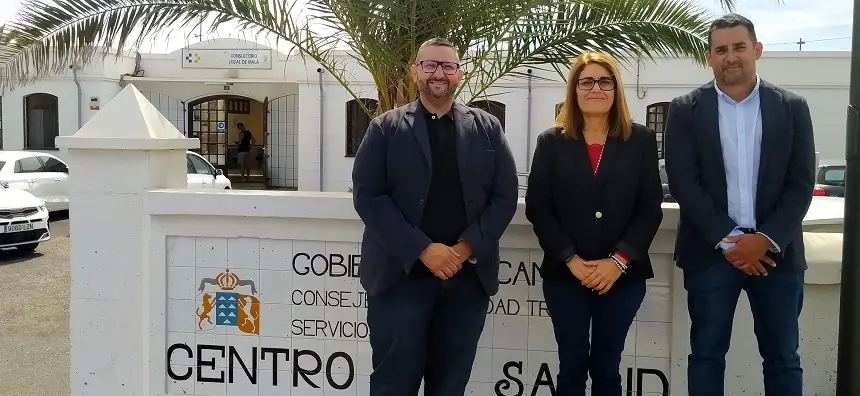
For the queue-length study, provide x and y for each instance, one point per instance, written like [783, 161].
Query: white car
[23, 220]
[46, 176]
[42, 174]
[202, 175]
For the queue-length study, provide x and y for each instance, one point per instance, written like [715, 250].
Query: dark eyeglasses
[430, 66]
[605, 83]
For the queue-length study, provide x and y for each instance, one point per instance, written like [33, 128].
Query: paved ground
[34, 317]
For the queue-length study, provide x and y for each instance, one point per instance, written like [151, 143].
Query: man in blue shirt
[740, 159]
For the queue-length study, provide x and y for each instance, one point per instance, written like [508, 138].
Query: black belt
[746, 230]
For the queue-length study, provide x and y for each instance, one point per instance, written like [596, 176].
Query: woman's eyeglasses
[449, 68]
[605, 83]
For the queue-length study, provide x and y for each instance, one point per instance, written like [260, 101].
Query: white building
[207, 88]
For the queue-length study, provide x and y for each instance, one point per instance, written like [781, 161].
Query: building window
[357, 121]
[558, 109]
[42, 121]
[657, 121]
[238, 106]
[491, 106]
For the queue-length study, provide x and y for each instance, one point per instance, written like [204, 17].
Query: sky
[824, 25]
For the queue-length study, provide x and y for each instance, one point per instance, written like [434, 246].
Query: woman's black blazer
[574, 212]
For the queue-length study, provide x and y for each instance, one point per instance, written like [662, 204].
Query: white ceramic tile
[653, 372]
[657, 306]
[512, 362]
[362, 385]
[211, 252]
[181, 316]
[474, 389]
[308, 322]
[275, 320]
[482, 366]
[341, 354]
[211, 388]
[243, 347]
[276, 254]
[541, 336]
[277, 287]
[630, 341]
[309, 265]
[340, 385]
[653, 339]
[181, 387]
[271, 383]
[179, 356]
[181, 283]
[627, 369]
[180, 251]
[243, 253]
[363, 358]
[342, 323]
[275, 353]
[486, 339]
[510, 332]
[541, 365]
[215, 350]
[240, 383]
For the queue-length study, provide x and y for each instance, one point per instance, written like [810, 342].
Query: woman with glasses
[594, 199]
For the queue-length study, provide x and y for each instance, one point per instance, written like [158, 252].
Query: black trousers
[425, 327]
[574, 309]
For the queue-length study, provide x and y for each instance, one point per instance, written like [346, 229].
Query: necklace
[599, 156]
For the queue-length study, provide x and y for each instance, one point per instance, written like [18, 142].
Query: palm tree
[495, 37]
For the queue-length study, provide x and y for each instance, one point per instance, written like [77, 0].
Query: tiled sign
[263, 317]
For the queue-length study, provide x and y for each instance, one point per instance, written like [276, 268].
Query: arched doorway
[214, 121]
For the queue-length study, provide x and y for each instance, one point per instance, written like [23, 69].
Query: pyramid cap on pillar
[128, 122]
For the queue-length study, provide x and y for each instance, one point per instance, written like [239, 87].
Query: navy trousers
[775, 301]
[574, 309]
[425, 327]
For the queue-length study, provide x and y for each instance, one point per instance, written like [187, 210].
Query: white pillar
[125, 150]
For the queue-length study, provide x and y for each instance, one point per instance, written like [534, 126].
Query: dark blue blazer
[391, 179]
[697, 177]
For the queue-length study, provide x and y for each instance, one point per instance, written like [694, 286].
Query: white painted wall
[662, 80]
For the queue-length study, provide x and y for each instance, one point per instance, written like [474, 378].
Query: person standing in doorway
[740, 159]
[435, 184]
[246, 139]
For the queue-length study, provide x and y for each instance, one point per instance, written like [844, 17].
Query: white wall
[662, 80]
[658, 81]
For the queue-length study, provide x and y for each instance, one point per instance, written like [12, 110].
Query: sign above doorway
[226, 58]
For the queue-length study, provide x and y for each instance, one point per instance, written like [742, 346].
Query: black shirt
[444, 218]
[245, 141]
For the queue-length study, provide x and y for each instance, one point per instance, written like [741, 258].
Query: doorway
[214, 121]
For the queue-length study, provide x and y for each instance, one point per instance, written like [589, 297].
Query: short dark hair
[437, 42]
[240, 125]
[729, 21]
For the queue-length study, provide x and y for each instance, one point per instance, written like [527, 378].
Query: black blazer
[697, 176]
[391, 179]
[574, 212]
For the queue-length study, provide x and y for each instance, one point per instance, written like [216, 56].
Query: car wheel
[30, 247]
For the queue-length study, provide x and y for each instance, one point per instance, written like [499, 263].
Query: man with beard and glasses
[740, 160]
[435, 184]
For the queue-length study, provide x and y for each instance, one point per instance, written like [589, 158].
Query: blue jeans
[775, 301]
[574, 309]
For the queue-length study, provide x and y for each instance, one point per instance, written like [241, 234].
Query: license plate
[17, 227]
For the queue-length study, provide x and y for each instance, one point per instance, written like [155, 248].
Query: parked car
[42, 174]
[830, 180]
[201, 174]
[46, 176]
[23, 220]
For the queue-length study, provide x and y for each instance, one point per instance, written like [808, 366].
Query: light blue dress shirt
[740, 137]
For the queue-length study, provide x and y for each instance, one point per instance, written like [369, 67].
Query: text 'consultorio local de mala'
[243, 59]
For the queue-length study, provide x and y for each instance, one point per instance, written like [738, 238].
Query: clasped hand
[749, 253]
[598, 275]
[443, 260]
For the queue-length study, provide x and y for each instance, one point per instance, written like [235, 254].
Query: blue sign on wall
[222, 126]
